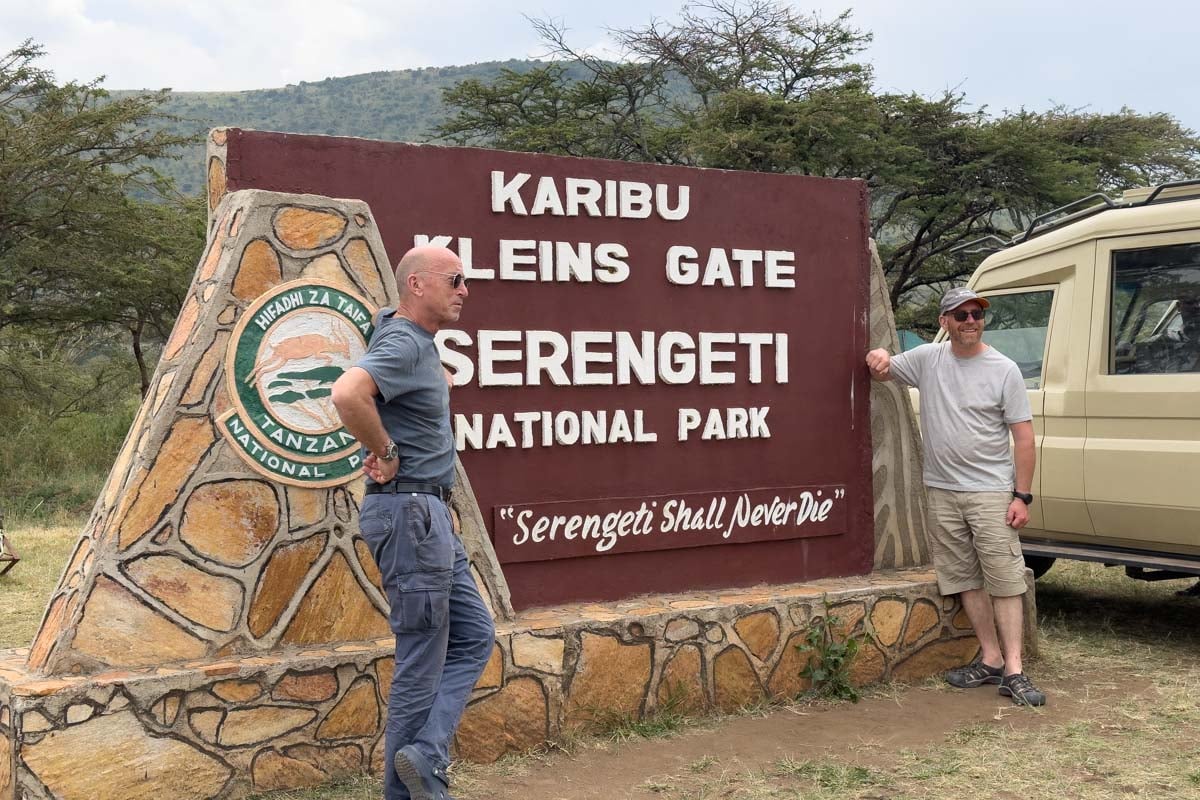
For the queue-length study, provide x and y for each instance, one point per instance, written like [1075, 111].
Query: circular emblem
[289, 347]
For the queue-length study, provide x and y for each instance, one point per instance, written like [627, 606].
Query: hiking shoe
[1021, 690]
[418, 775]
[977, 673]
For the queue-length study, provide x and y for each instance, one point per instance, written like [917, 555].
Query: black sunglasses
[976, 314]
[457, 279]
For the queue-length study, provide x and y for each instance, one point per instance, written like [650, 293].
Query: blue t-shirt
[413, 400]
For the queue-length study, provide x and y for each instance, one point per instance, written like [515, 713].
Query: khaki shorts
[973, 547]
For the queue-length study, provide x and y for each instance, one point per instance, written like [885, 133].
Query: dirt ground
[873, 733]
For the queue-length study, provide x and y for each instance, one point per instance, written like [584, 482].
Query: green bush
[828, 667]
[53, 469]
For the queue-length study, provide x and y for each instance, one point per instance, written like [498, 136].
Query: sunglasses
[976, 314]
[457, 279]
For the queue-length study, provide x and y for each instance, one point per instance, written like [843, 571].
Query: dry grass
[361, 788]
[26, 588]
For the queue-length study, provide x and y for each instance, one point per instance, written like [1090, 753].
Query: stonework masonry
[895, 448]
[190, 553]
[218, 728]
[216, 632]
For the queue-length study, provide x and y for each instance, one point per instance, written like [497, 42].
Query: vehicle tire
[1039, 564]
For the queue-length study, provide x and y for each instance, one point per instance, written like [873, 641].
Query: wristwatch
[1023, 497]
[390, 453]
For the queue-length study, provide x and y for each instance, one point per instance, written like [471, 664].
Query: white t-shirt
[967, 405]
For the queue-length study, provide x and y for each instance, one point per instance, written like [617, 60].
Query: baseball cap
[956, 297]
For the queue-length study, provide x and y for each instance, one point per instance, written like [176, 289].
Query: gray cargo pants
[444, 632]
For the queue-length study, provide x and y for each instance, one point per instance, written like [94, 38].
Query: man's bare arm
[354, 398]
[1024, 459]
[1024, 454]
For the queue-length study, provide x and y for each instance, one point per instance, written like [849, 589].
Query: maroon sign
[632, 331]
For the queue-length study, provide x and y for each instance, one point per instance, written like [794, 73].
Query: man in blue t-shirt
[396, 402]
[978, 486]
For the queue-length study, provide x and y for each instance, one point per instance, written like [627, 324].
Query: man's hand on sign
[879, 361]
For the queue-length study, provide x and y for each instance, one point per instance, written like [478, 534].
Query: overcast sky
[1099, 56]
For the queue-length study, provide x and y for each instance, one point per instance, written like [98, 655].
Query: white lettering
[689, 420]
[513, 261]
[611, 266]
[547, 198]
[462, 368]
[635, 200]
[581, 342]
[551, 363]
[489, 354]
[708, 357]
[507, 193]
[500, 434]
[583, 193]
[606, 358]
[625, 199]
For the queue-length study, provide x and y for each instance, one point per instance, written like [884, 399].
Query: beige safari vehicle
[1099, 305]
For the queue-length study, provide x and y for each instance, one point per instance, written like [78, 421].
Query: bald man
[396, 402]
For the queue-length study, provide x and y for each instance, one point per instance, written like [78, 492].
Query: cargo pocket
[1015, 546]
[421, 601]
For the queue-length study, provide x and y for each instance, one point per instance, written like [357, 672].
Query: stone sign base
[224, 728]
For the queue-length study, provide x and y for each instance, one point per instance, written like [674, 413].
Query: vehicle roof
[1173, 214]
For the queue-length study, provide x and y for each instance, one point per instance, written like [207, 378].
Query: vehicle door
[1018, 325]
[1142, 453]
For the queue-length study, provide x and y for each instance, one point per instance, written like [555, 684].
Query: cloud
[1026, 53]
[234, 44]
[223, 44]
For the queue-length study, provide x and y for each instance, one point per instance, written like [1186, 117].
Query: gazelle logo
[288, 348]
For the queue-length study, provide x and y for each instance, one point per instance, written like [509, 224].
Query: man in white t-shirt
[978, 487]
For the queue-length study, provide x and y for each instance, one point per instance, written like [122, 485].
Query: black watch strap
[1023, 497]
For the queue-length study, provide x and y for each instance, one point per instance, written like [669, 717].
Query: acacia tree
[757, 86]
[974, 175]
[90, 235]
[642, 107]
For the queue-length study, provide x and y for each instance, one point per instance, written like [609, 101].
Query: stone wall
[561, 671]
[221, 728]
[198, 730]
[190, 553]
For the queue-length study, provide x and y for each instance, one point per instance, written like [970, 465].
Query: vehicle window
[910, 339]
[1155, 314]
[1016, 326]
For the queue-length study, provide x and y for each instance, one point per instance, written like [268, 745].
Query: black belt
[398, 487]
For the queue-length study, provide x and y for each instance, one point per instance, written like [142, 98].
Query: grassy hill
[402, 105]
